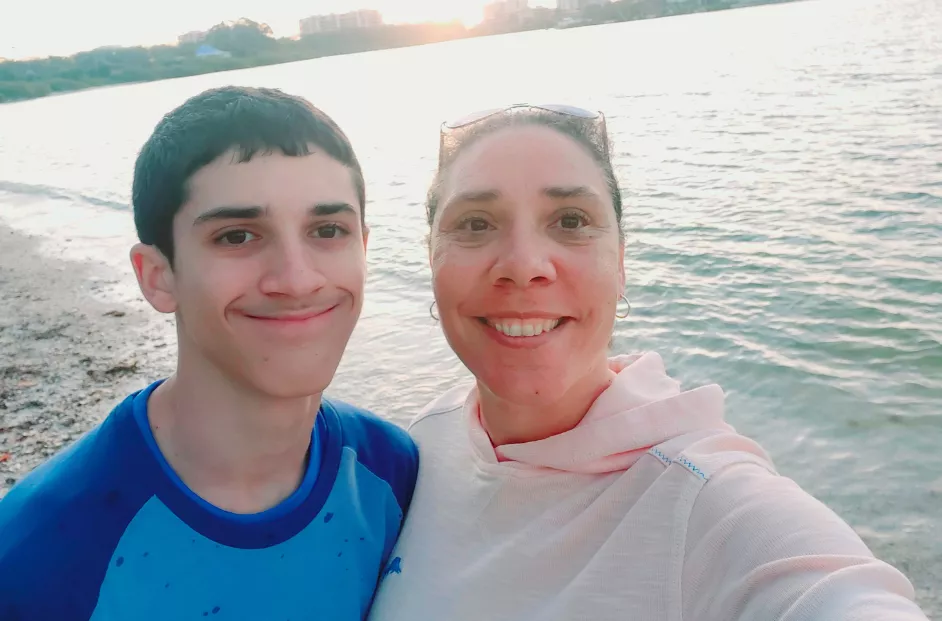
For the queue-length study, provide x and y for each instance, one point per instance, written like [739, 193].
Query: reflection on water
[782, 166]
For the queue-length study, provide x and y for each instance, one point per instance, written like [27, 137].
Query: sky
[32, 28]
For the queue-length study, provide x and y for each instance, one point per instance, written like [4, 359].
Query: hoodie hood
[642, 408]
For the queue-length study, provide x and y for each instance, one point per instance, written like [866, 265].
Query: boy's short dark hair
[246, 120]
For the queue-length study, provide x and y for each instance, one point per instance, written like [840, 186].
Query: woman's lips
[523, 333]
[526, 327]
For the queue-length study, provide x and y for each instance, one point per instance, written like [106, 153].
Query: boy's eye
[235, 238]
[329, 231]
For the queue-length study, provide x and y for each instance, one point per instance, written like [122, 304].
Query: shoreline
[66, 355]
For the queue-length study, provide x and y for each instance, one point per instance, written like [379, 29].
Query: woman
[568, 485]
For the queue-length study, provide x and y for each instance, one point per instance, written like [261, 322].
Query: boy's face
[269, 269]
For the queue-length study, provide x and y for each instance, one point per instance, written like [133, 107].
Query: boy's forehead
[272, 181]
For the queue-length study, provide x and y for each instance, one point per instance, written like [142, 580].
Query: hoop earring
[431, 310]
[624, 314]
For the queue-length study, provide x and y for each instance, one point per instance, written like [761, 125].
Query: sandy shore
[66, 356]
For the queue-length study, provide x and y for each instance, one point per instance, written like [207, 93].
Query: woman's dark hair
[590, 133]
[246, 120]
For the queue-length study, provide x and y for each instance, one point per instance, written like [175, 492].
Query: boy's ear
[154, 276]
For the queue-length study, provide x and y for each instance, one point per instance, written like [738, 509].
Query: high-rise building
[503, 10]
[194, 36]
[366, 18]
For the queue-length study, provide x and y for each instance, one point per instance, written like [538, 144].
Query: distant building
[506, 10]
[366, 18]
[577, 6]
[194, 36]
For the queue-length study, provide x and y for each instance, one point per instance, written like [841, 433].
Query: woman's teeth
[523, 327]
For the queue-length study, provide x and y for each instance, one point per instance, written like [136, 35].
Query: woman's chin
[524, 387]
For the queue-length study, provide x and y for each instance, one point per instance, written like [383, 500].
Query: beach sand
[66, 355]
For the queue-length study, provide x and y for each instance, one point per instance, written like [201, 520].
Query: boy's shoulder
[90, 466]
[61, 522]
[382, 447]
[363, 429]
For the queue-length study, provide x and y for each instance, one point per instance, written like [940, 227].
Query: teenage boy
[232, 489]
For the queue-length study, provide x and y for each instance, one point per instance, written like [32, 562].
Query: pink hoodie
[606, 440]
[651, 508]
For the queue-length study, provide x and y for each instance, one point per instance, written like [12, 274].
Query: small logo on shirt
[393, 567]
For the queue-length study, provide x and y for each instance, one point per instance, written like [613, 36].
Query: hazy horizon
[34, 30]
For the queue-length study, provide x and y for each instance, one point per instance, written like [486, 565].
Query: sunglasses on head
[590, 116]
[563, 109]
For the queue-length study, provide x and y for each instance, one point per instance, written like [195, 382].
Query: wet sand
[66, 356]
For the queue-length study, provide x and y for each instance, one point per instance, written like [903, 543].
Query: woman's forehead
[531, 155]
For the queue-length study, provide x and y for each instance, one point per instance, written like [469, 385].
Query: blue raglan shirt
[106, 531]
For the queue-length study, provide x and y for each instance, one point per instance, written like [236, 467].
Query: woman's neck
[508, 422]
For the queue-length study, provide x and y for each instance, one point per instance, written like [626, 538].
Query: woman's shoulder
[450, 402]
[740, 489]
[756, 541]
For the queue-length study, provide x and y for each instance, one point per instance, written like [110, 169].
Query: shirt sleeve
[759, 547]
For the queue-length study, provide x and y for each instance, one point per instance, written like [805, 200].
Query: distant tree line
[246, 43]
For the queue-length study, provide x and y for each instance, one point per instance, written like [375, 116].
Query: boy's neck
[239, 450]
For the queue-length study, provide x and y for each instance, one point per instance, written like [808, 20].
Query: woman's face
[527, 263]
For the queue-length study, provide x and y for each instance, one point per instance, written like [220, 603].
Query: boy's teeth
[519, 327]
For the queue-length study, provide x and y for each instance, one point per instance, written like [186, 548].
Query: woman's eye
[475, 225]
[235, 238]
[570, 222]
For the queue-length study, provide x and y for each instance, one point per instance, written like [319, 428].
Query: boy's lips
[297, 316]
[294, 323]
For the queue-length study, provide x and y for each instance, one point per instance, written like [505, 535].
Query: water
[783, 167]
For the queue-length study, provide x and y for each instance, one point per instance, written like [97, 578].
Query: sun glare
[469, 12]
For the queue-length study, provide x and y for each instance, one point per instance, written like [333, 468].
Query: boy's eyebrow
[254, 212]
[229, 213]
[327, 209]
